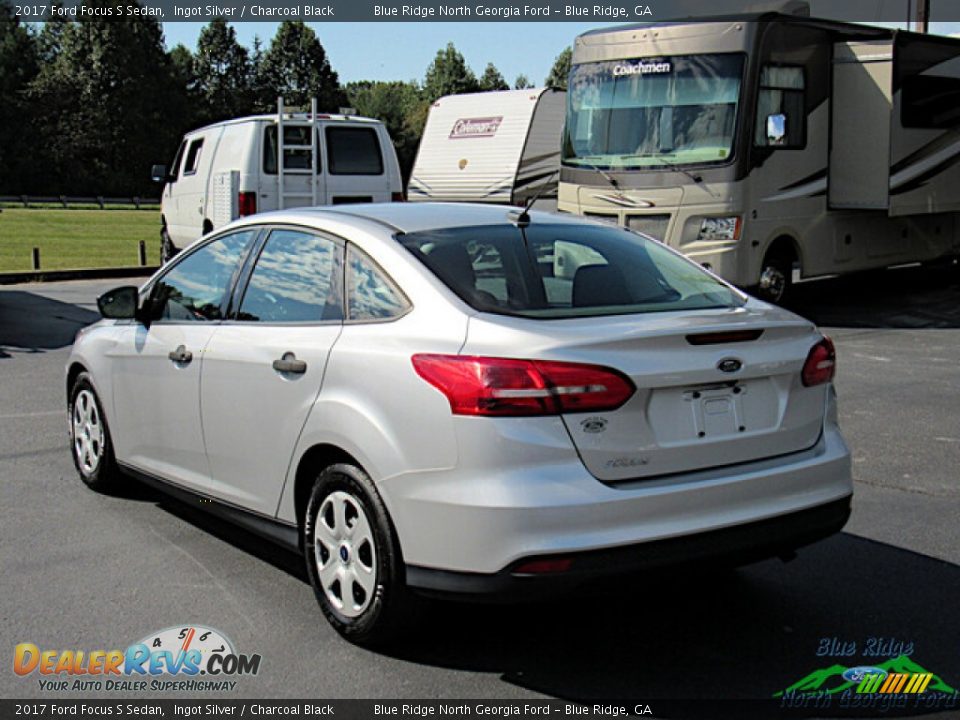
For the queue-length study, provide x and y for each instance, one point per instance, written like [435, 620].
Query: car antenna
[522, 219]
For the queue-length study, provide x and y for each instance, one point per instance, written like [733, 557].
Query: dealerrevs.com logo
[187, 657]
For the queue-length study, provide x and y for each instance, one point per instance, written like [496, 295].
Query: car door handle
[181, 355]
[289, 364]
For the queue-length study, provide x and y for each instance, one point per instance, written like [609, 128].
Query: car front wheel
[353, 558]
[90, 442]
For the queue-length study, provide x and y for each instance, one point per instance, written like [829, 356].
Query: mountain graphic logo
[830, 680]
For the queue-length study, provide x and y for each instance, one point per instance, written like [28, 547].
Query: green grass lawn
[77, 238]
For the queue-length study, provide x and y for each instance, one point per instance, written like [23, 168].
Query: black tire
[168, 250]
[776, 279]
[90, 444]
[375, 617]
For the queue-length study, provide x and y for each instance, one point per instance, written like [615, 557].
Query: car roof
[407, 217]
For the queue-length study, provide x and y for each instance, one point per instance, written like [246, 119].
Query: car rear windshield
[554, 271]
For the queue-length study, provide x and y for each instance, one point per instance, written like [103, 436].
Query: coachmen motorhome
[232, 169]
[493, 147]
[769, 147]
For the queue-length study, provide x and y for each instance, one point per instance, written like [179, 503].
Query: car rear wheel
[353, 558]
[90, 443]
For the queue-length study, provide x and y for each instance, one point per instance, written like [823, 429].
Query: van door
[186, 223]
[357, 169]
[298, 172]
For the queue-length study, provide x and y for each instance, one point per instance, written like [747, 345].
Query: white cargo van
[492, 147]
[232, 169]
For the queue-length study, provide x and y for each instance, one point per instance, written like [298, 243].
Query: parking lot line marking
[41, 413]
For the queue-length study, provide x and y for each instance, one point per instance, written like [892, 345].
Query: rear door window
[297, 152]
[565, 270]
[354, 151]
[297, 278]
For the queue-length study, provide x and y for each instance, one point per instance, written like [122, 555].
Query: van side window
[354, 151]
[175, 166]
[782, 93]
[297, 153]
[196, 286]
[193, 157]
[371, 295]
[298, 278]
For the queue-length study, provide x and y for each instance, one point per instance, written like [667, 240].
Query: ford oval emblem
[856, 674]
[729, 365]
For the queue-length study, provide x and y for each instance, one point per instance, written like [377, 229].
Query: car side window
[193, 157]
[297, 278]
[371, 295]
[195, 288]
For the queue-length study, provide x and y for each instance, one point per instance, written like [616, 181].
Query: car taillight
[247, 203]
[821, 364]
[398, 197]
[510, 387]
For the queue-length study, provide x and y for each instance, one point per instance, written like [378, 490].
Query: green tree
[448, 74]
[106, 107]
[560, 70]
[18, 66]
[398, 105]
[492, 79]
[295, 66]
[522, 82]
[222, 69]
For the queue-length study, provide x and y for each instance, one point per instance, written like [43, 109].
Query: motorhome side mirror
[158, 173]
[119, 303]
[776, 129]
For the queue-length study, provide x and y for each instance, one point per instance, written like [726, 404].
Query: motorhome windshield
[652, 112]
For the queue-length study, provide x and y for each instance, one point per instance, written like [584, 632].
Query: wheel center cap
[344, 553]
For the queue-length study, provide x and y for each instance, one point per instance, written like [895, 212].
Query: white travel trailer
[491, 147]
[231, 169]
[769, 147]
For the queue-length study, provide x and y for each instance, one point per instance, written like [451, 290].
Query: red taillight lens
[247, 203]
[544, 566]
[397, 197]
[821, 364]
[508, 387]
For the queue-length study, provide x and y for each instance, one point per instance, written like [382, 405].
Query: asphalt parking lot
[81, 570]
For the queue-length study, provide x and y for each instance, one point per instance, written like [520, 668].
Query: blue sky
[402, 51]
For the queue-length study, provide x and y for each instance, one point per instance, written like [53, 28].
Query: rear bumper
[738, 544]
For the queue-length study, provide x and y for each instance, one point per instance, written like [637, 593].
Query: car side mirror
[120, 303]
[776, 129]
[158, 173]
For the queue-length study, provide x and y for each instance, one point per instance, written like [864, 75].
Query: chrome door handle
[181, 355]
[289, 364]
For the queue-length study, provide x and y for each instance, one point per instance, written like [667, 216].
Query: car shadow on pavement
[31, 323]
[909, 297]
[690, 637]
[744, 634]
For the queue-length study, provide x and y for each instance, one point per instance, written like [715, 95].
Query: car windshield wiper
[601, 172]
[665, 159]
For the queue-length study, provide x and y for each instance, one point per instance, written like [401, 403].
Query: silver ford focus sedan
[437, 399]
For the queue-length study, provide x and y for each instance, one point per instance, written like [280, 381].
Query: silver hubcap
[345, 554]
[87, 432]
[773, 282]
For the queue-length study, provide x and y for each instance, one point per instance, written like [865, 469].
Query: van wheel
[90, 443]
[776, 278]
[353, 558]
[167, 249]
